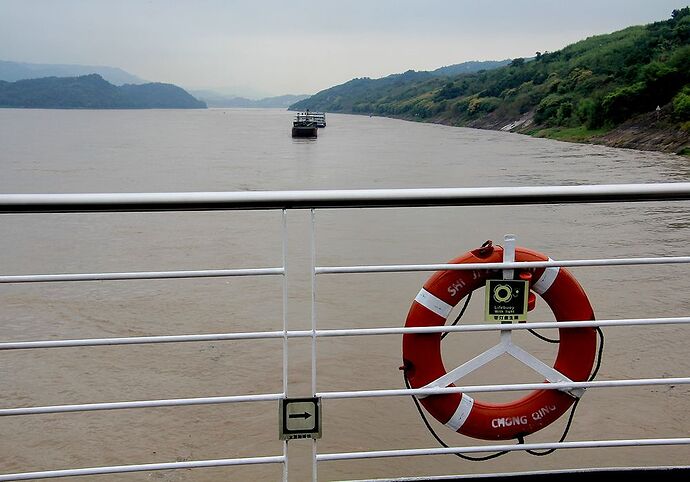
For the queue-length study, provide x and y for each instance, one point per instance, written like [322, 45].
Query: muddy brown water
[234, 150]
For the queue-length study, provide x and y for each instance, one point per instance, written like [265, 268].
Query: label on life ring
[506, 300]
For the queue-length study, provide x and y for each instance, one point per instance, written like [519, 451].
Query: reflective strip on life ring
[545, 280]
[430, 302]
[497, 421]
[461, 413]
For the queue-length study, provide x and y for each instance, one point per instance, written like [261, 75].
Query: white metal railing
[122, 469]
[210, 273]
[354, 198]
[501, 448]
[312, 200]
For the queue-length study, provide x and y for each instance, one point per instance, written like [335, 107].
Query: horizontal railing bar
[356, 198]
[142, 340]
[37, 278]
[514, 387]
[259, 335]
[211, 273]
[174, 402]
[501, 448]
[491, 327]
[6, 412]
[584, 473]
[399, 268]
[121, 469]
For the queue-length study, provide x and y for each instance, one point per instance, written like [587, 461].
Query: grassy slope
[587, 91]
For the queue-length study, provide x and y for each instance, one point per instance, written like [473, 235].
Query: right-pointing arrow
[304, 415]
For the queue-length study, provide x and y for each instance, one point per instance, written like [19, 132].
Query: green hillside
[589, 88]
[93, 92]
[358, 94]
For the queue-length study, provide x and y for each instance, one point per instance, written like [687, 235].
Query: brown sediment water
[236, 150]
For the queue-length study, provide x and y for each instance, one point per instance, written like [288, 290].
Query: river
[45, 151]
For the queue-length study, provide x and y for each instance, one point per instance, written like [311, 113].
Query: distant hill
[343, 97]
[471, 67]
[13, 71]
[93, 92]
[630, 88]
[214, 99]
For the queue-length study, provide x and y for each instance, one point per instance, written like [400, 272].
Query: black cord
[520, 438]
[600, 352]
[542, 337]
[462, 312]
[423, 416]
[438, 439]
[565, 433]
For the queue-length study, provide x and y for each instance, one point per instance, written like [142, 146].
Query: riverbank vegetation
[638, 77]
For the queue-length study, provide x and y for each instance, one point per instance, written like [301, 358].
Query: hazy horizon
[271, 48]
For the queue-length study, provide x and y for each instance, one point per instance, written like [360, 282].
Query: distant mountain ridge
[470, 67]
[214, 99]
[342, 98]
[93, 92]
[13, 71]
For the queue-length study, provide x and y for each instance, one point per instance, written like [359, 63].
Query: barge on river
[319, 118]
[304, 125]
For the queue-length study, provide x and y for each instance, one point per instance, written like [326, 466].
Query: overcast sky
[272, 47]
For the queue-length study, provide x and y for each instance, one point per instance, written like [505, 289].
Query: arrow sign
[304, 415]
[300, 418]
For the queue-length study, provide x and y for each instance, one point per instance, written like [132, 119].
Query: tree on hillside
[680, 13]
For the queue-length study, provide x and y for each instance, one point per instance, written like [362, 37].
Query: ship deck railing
[286, 201]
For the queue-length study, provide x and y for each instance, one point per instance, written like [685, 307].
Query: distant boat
[304, 125]
[319, 118]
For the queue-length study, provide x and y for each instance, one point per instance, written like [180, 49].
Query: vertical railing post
[285, 331]
[313, 331]
[509, 254]
[509, 241]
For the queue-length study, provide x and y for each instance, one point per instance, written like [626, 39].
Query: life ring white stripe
[432, 303]
[461, 413]
[546, 279]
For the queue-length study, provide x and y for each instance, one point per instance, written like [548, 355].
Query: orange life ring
[498, 421]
